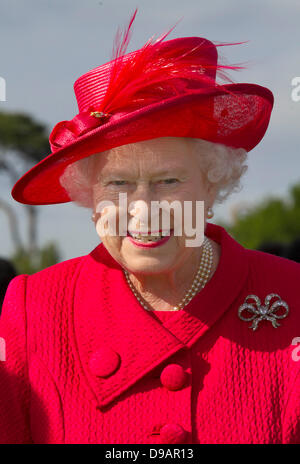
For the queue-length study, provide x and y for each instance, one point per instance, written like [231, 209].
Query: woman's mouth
[147, 240]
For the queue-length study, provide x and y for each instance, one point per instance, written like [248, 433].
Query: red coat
[85, 363]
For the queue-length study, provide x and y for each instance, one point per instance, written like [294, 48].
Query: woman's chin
[147, 263]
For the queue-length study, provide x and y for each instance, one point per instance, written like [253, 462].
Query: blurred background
[48, 44]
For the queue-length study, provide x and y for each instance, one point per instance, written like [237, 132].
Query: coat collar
[107, 314]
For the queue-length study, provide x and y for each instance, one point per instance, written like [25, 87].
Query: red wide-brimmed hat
[164, 89]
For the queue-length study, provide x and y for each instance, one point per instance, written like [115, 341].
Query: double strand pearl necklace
[199, 281]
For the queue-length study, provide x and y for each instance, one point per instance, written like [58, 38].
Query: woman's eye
[118, 182]
[169, 181]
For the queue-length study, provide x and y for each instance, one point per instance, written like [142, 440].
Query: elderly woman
[147, 340]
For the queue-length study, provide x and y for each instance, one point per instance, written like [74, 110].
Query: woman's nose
[142, 192]
[139, 204]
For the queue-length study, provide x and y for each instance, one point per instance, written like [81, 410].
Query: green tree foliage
[273, 220]
[27, 262]
[24, 142]
[20, 133]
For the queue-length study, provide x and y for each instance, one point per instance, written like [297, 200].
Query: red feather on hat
[147, 75]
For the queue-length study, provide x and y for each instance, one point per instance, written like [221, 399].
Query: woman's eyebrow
[128, 174]
[114, 174]
[175, 171]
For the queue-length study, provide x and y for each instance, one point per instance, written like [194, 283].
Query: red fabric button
[172, 433]
[104, 362]
[173, 377]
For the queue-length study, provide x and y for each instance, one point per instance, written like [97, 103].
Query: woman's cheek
[112, 222]
[102, 193]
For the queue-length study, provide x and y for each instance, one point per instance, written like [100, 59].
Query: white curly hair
[223, 166]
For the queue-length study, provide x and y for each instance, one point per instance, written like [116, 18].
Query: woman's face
[153, 170]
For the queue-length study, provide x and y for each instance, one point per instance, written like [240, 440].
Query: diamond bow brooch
[266, 311]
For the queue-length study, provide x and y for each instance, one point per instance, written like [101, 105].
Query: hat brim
[239, 123]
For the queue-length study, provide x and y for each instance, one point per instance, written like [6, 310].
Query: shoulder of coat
[269, 260]
[273, 271]
[59, 271]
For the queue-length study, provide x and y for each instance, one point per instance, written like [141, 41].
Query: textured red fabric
[243, 386]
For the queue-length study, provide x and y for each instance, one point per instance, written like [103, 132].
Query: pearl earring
[93, 217]
[210, 213]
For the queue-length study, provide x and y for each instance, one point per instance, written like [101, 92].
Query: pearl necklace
[199, 281]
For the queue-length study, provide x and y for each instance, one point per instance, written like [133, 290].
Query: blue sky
[48, 44]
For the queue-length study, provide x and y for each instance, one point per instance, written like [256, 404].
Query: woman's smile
[147, 240]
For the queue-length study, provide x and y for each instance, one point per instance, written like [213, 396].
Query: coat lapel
[107, 315]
